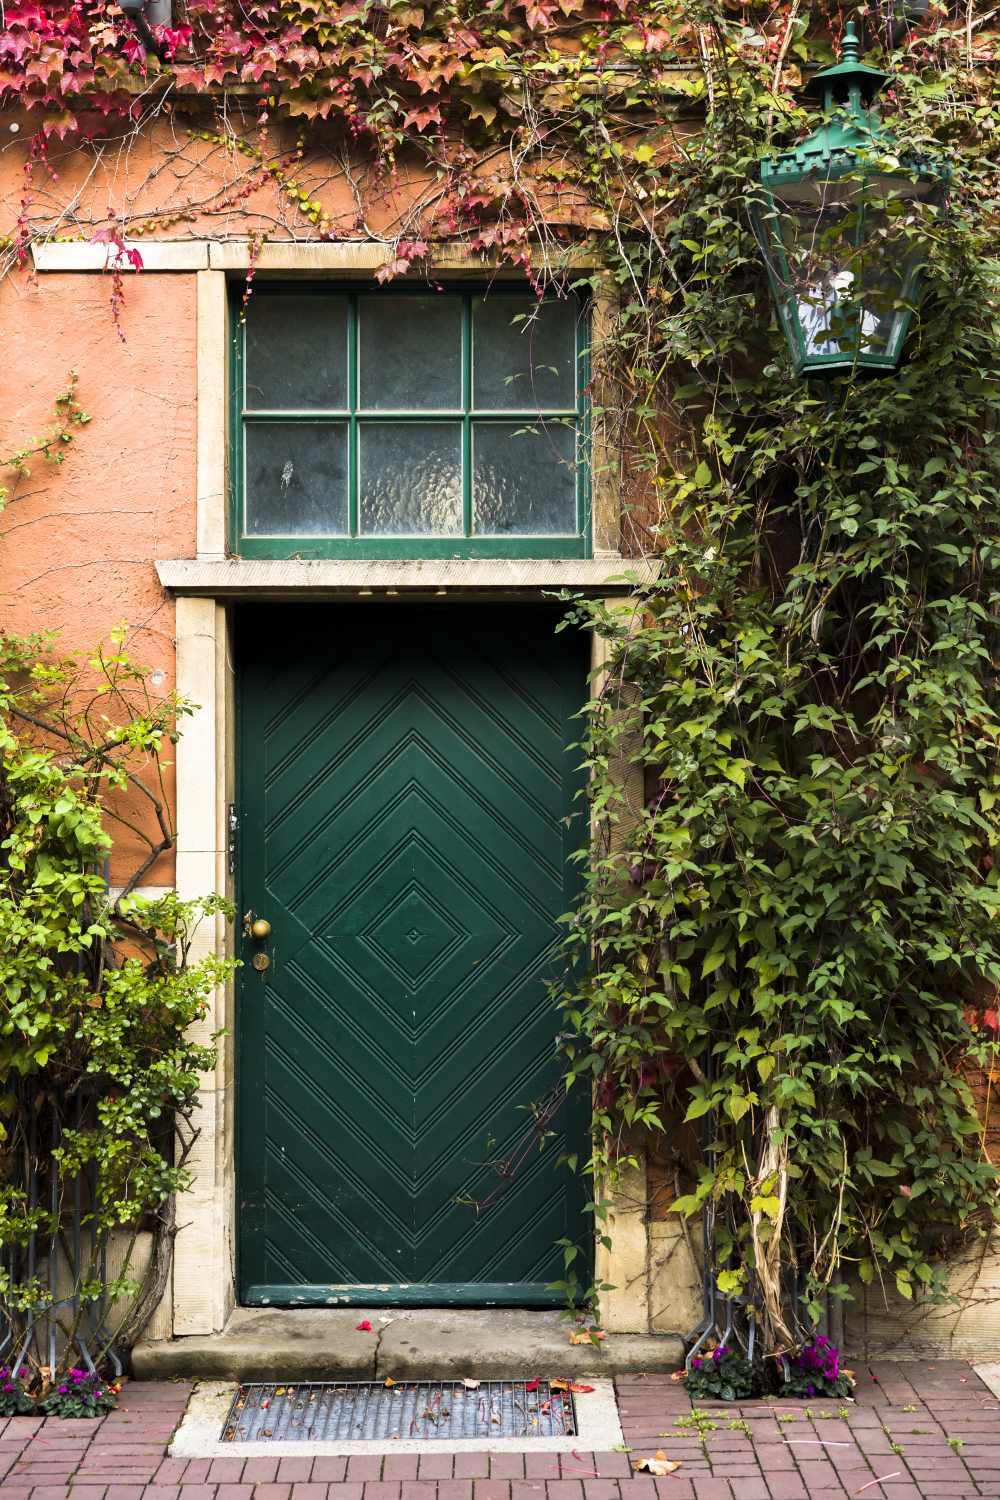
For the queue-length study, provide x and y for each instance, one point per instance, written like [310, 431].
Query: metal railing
[54, 1294]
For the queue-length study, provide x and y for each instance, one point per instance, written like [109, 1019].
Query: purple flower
[64, 1390]
[8, 1385]
[696, 1364]
[819, 1357]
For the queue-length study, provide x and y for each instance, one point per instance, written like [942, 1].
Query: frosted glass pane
[296, 479]
[524, 365]
[296, 353]
[411, 353]
[411, 478]
[524, 479]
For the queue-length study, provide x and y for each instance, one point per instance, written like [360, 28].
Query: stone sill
[255, 578]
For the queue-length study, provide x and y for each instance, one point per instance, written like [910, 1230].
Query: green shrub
[723, 1375]
[98, 996]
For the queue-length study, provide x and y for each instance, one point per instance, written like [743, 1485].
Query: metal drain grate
[410, 1409]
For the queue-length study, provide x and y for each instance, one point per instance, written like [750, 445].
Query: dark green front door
[405, 820]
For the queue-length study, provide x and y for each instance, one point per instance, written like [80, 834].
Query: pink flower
[364, 1326]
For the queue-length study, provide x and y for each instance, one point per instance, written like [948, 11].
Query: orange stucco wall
[189, 174]
[77, 543]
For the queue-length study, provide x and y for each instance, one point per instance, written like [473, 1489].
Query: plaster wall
[184, 175]
[77, 542]
[195, 171]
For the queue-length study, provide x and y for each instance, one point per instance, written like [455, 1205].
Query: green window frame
[574, 544]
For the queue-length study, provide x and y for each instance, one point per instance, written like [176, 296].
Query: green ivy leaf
[713, 962]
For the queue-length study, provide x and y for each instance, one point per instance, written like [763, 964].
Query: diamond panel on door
[407, 812]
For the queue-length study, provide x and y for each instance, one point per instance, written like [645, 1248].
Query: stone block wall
[651, 1263]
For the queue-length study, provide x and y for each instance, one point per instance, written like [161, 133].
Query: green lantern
[838, 218]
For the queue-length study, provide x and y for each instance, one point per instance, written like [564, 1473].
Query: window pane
[524, 354]
[296, 353]
[524, 479]
[296, 478]
[411, 353]
[411, 478]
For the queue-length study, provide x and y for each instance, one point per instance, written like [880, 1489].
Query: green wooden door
[406, 815]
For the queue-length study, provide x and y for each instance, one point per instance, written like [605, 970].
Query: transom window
[410, 423]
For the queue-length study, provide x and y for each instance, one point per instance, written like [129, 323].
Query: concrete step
[283, 1344]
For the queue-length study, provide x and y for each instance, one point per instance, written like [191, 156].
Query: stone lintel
[294, 257]
[156, 255]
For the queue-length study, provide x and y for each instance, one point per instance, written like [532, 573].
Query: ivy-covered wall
[790, 931]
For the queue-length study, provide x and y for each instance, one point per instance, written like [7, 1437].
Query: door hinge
[233, 823]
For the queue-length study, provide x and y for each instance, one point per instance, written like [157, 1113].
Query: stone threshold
[287, 1344]
[198, 1436]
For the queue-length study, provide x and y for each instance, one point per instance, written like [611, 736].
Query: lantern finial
[850, 47]
[849, 82]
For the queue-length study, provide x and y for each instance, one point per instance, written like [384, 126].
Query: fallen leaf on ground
[587, 1337]
[568, 1385]
[661, 1464]
[678, 1375]
[364, 1326]
[472, 1385]
[389, 1380]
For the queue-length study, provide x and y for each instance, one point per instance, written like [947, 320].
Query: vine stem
[779, 66]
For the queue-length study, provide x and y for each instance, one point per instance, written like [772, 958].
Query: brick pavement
[924, 1432]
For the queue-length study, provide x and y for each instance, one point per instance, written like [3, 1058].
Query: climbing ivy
[792, 928]
[50, 446]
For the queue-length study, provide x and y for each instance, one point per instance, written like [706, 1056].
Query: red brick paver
[916, 1432]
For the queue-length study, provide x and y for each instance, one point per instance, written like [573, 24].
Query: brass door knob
[261, 928]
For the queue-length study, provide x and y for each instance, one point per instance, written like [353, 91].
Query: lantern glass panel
[843, 256]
